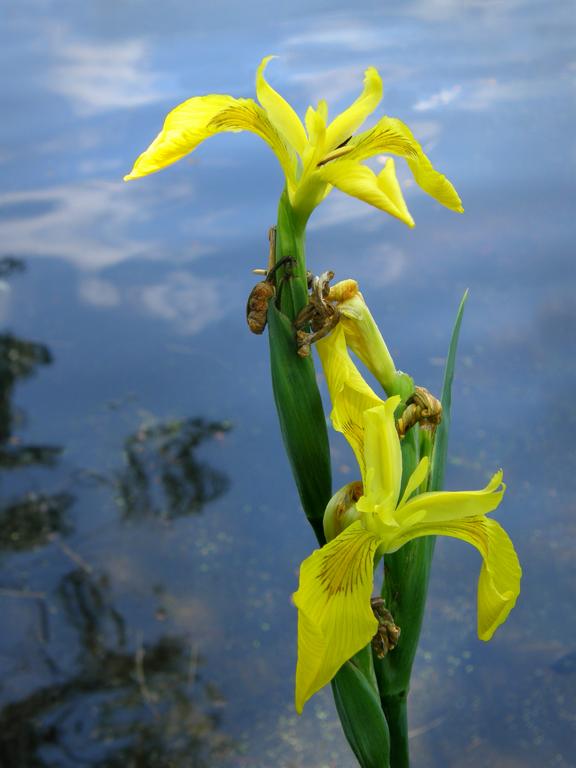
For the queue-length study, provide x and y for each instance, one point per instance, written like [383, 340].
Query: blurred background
[150, 533]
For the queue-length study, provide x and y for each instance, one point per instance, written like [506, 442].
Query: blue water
[150, 534]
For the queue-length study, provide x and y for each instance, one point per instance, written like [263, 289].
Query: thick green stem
[405, 587]
[298, 401]
[290, 241]
[303, 425]
[397, 718]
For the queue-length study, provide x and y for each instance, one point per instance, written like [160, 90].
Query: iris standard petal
[392, 136]
[348, 122]
[415, 480]
[350, 394]
[315, 120]
[448, 506]
[499, 581]
[357, 180]
[383, 457]
[280, 113]
[312, 189]
[335, 619]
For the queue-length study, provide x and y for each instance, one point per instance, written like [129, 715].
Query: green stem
[405, 587]
[396, 715]
[298, 401]
[290, 241]
[303, 425]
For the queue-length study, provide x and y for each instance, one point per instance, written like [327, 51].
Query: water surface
[150, 533]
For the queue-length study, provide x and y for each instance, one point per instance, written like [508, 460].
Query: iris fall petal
[335, 619]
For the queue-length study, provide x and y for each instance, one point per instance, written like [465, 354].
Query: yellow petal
[197, 119]
[344, 290]
[447, 506]
[392, 136]
[246, 115]
[388, 183]
[383, 457]
[415, 480]
[499, 581]
[311, 188]
[323, 110]
[350, 394]
[348, 122]
[316, 127]
[357, 180]
[184, 128]
[335, 619]
[363, 337]
[280, 113]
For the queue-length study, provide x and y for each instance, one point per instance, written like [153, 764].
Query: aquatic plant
[363, 645]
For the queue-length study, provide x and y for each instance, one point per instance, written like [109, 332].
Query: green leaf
[358, 704]
[302, 419]
[407, 574]
[439, 454]
[407, 571]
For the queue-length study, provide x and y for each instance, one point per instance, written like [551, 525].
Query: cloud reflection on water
[87, 98]
[92, 224]
[84, 223]
[192, 302]
[100, 76]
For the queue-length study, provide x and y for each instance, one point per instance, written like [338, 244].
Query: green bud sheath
[301, 418]
[358, 704]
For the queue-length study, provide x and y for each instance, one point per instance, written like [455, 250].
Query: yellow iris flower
[335, 619]
[314, 157]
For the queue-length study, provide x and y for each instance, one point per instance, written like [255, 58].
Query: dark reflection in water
[88, 607]
[10, 265]
[31, 522]
[110, 696]
[138, 290]
[163, 478]
[28, 521]
[20, 359]
[143, 706]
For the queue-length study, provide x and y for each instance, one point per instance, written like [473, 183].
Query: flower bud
[341, 510]
[365, 340]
